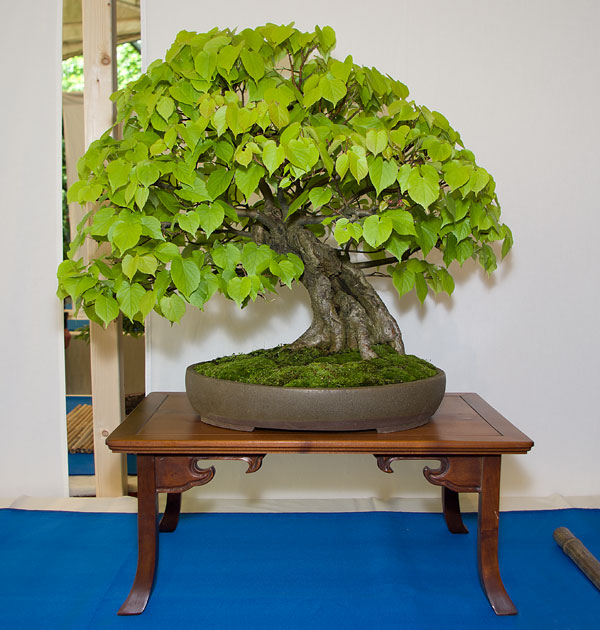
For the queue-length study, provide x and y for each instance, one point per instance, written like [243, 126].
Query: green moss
[311, 367]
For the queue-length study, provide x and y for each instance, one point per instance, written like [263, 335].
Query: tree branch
[366, 264]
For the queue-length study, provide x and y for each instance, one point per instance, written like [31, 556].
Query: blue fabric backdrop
[360, 570]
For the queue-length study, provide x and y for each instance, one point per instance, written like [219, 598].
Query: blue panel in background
[83, 463]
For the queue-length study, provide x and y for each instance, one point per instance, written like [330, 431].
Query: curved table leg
[487, 538]
[170, 518]
[451, 508]
[147, 538]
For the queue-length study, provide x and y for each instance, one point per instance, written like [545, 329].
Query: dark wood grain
[170, 518]
[169, 425]
[451, 509]
[147, 538]
[487, 538]
[466, 436]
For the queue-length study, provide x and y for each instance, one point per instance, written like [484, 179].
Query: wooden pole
[108, 398]
[580, 555]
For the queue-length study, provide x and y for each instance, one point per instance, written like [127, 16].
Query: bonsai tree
[254, 159]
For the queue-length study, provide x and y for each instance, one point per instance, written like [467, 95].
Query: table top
[165, 423]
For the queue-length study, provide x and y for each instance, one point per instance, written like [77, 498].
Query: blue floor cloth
[292, 571]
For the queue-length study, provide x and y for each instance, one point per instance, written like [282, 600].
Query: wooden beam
[108, 400]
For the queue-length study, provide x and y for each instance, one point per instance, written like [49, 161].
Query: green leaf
[312, 96]
[398, 136]
[172, 307]
[247, 179]
[298, 202]
[205, 64]
[332, 90]
[166, 252]
[141, 196]
[341, 164]
[428, 234]
[319, 196]
[189, 222]
[165, 107]
[74, 190]
[456, 174]
[478, 180]
[129, 265]
[184, 93]
[211, 217]
[89, 193]
[439, 151]
[218, 182]
[277, 34]
[376, 230]
[185, 274]
[227, 56]
[326, 36]
[403, 175]
[291, 133]
[103, 220]
[209, 285]
[107, 308]
[226, 256]
[272, 156]
[303, 153]
[297, 264]
[224, 151]
[376, 140]
[397, 245]
[447, 280]
[254, 64]
[151, 227]
[423, 185]
[464, 250]
[219, 120]
[279, 114]
[256, 259]
[118, 173]
[403, 280]
[147, 302]
[402, 221]
[284, 270]
[421, 287]
[359, 167]
[129, 296]
[382, 173]
[126, 235]
[147, 173]
[238, 289]
[147, 264]
[344, 231]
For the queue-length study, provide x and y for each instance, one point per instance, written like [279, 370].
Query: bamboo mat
[80, 435]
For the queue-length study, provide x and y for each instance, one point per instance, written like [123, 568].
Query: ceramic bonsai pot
[244, 406]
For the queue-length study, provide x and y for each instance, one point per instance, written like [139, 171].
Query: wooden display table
[466, 435]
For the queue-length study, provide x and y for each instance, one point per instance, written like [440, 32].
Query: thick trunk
[347, 311]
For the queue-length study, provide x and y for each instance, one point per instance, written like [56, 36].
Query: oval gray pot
[244, 406]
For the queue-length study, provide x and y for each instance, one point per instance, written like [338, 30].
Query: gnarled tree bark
[347, 311]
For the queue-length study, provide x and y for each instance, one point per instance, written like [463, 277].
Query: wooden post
[99, 54]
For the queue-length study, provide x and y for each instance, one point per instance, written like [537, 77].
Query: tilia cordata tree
[254, 159]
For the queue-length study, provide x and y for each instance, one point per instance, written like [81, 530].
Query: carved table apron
[466, 435]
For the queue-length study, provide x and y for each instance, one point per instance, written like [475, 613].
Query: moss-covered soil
[311, 367]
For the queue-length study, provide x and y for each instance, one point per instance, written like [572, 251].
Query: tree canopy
[238, 147]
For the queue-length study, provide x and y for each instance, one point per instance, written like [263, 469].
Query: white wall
[519, 80]
[33, 452]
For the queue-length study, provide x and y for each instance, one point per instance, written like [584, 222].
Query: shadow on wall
[222, 328]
